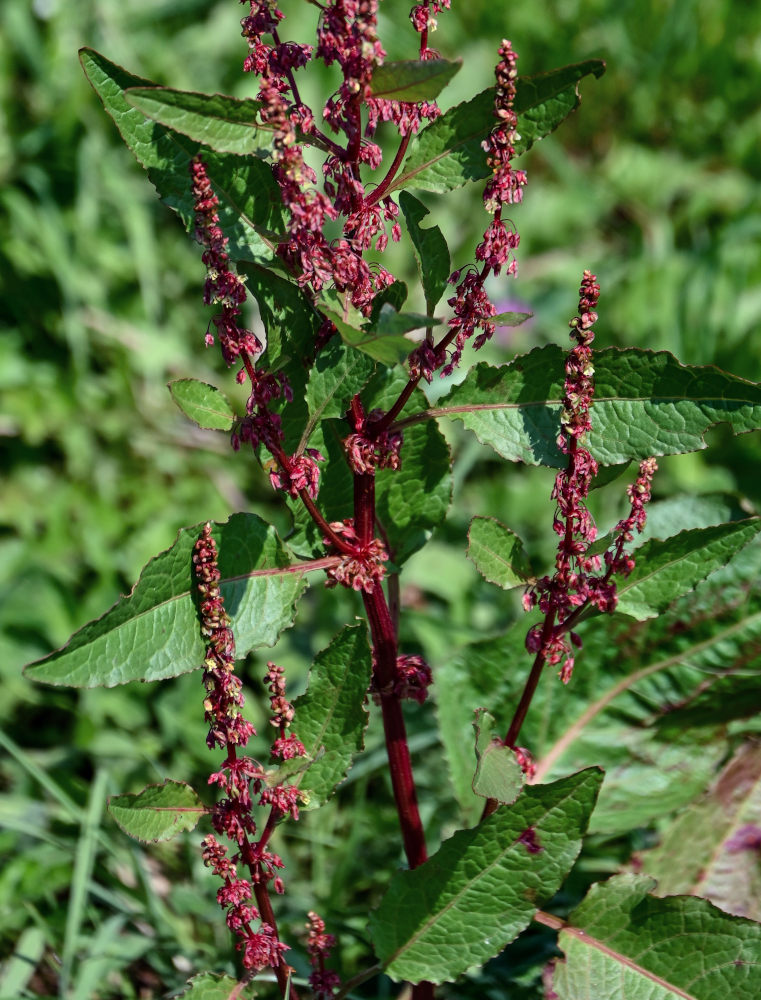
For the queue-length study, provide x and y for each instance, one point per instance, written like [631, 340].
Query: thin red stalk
[380, 191]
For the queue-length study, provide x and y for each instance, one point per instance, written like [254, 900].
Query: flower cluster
[241, 778]
[286, 746]
[413, 678]
[639, 494]
[300, 472]
[574, 584]
[473, 309]
[361, 568]
[319, 945]
[222, 285]
[366, 453]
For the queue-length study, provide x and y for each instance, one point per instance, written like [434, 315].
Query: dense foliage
[655, 190]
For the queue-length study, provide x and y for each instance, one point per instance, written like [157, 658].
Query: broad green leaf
[498, 774]
[202, 403]
[665, 570]
[153, 633]
[448, 152]
[645, 403]
[330, 718]
[431, 250]
[483, 885]
[226, 124]
[250, 209]
[412, 80]
[498, 553]
[290, 320]
[388, 349]
[215, 986]
[623, 942]
[159, 812]
[711, 849]
[338, 374]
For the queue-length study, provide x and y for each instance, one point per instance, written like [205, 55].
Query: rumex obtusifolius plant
[337, 415]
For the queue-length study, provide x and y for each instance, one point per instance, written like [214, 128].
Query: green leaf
[394, 294]
[381, 347]
[154, 632]
[202, 403]
[159, 812]
[390, 322]
[290, 320]
[622, 942]
[226, 124]
[431, 250]
[413, 500]
[645, 403]
[330, 718]
[250, 207]
[448, 152]
[413, 80]
[707, 851]
[498, 553]
[338, 374]
[510, 318]
[482, 887]
[498, 774]
[665, 570]
[215, 986]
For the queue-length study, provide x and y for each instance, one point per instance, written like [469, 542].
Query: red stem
[383, 634]
[384, 185]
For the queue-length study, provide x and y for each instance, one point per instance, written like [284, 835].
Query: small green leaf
[497, 553]
[330, 718]
[483, 885]
[159, 812]
[510, 318]
[202, 403]
[390, 322]
[413, 80]
[388, 349]
[431, 250]
[622, 942]
[448, 152]
[215, 986]
[250, 206]
[154, 632]
[498, 774]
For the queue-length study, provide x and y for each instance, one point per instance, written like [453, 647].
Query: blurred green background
[653, 184]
